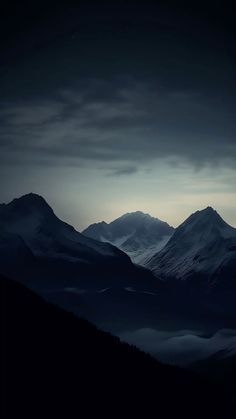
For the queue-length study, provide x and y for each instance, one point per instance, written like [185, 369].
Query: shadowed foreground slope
[57, 365]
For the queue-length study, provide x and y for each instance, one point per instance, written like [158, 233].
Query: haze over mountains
[136, 233]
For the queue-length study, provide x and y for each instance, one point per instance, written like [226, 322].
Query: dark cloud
[130, 125]
[117, 88]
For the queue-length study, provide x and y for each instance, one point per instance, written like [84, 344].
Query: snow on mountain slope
[136, 233]
[204, 244]
[34, 222]
[68, 268]
[144, 253]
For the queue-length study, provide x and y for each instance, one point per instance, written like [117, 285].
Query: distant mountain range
[204, 245]
[188, 285]
[136, 233]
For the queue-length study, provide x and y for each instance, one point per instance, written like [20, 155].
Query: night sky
[111, 109]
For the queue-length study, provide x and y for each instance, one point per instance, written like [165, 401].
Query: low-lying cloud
[182, 347]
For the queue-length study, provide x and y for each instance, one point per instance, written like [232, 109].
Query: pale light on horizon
[82, 196]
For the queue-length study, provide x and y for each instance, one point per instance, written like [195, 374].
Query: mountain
[32, 219]
[204, 246]
[67, 268]
[136, 233]
[33, 236]
[57, 365]
[99, 282]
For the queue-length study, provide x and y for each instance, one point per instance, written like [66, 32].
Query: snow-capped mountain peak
[138, 234]
[203, 244]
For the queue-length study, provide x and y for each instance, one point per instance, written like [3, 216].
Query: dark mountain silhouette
[57, 365]
[219, 368]
[136, 233]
